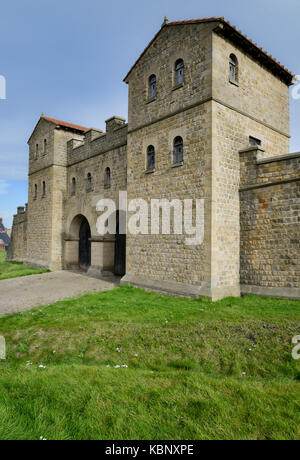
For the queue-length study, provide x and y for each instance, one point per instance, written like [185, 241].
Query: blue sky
[67, 58]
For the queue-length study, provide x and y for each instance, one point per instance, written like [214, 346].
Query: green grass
[196, 369]
[15, 269]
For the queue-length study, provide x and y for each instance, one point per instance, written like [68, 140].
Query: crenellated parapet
[259, 171]
[269, 222]
[17, 249]
[96, 142]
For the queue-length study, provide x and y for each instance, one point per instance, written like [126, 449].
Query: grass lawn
[196, 369]
[15, 269]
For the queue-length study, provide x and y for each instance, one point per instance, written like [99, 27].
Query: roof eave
[169, 24]
[228, 31]
[35, 129]
[72, 128]
[224, 27]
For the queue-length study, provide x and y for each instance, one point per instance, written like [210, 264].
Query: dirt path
[19, 294]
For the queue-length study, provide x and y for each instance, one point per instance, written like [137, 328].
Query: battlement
[21, 215]
[258, 171]
[114, 123]
[96, 142]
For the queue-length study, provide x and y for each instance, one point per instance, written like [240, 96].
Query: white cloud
[3, 187]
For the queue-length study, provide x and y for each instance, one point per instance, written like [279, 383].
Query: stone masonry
[251, 192]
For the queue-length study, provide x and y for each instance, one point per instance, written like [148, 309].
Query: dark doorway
[84, 245]
[120, 249]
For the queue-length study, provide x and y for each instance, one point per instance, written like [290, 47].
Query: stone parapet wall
[270, 221]
[17, 249]
[84, 201]
[257, 169]
[96, 143]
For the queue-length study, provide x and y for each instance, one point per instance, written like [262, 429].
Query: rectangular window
[89, 182]
[178, 150]
[152, 87]
[254, 142]
[179, 72]
[150, 158]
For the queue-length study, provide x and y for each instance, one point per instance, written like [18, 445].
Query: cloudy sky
[67, 58]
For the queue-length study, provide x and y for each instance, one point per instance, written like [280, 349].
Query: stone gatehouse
[208, 118]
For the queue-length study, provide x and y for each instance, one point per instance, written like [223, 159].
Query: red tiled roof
[258, 49]
[193, 21]
[64, 123]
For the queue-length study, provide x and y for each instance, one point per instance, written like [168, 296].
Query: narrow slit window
[89, 181]
[107, 177]
[37, 151]
[233, 68]
[45, 146]
[44, 188]
[179, 72]
[73, 186]
[178, 150]
[150, 158]
[152, 87]
[254, 142]
[35, 191]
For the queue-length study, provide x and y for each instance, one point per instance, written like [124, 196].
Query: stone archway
[96, 254]
[78, 244]
[120, 247]
[84, 250]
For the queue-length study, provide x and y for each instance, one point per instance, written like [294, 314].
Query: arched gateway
[120, 247]
[78, 244]
[84, 256]
[99, 255]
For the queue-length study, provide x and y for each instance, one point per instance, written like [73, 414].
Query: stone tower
[232, 95]
[46, 190]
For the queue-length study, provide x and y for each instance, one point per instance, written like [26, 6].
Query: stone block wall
[193, 44]
[45, 211]
[93, 155]
[233, 114]
[230, 133]
[166, 262]
[97, 152]
[96, 143]
[255, 105]
[167, 258]
[258, 93]
[40, 218]
[17, 249]
[84, 201]
[270, 223]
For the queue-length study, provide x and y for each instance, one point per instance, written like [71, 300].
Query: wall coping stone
[252, 149]
[288, 156]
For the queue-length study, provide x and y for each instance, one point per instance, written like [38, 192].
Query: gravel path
[19, 294]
